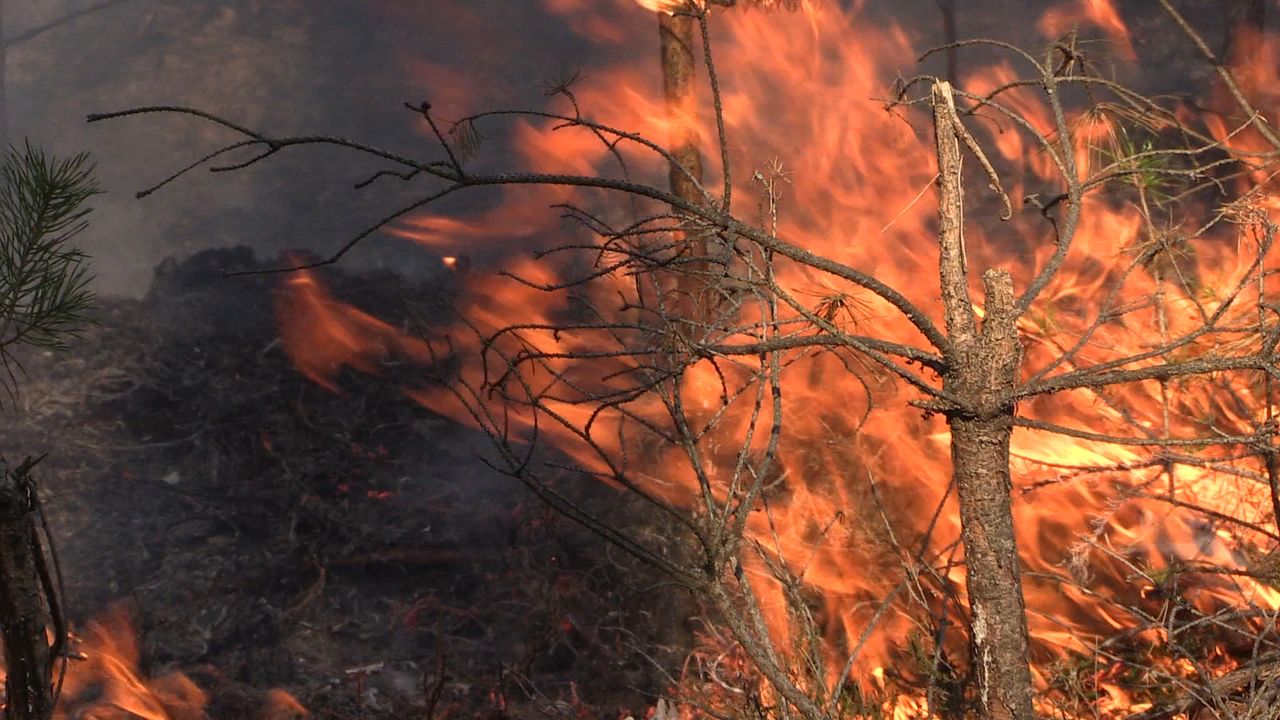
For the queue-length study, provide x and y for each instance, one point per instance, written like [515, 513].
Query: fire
[104, 681]
[861, 470]
[1059, 20]
[322, 335]
[666, 6]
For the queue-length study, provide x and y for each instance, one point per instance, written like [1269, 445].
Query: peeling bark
[982, 373]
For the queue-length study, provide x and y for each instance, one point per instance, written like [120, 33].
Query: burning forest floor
[348, 547]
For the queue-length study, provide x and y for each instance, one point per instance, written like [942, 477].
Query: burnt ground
[266, 532]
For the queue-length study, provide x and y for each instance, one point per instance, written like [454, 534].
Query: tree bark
[982, 371]
[678, 75]
[24, 616]
[685, 171]
[985, 373]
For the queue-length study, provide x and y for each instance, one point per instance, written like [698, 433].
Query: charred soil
[350, 547]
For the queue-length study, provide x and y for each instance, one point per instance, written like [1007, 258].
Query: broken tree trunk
[982, 370]
[24, 613]
[982, 379]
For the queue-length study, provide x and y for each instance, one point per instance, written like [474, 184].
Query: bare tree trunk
[985, 372]
[24, 617]
[982, 372]
[676, 34]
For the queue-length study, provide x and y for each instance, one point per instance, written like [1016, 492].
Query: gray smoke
[325, 66]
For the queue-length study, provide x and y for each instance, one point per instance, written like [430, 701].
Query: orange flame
[1058, 21]
[860, 470]
[104, 681]
[322, 335]
[666, 6]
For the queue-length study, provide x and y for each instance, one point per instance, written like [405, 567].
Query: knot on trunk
[984, 368]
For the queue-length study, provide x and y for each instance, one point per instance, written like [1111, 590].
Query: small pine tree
[44, 298]
[44, 280]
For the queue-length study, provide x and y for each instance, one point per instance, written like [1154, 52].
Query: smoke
[340, 67]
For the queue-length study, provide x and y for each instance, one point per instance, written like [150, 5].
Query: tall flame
[860, 470]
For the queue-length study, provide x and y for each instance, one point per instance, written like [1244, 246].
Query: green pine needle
[44, 280]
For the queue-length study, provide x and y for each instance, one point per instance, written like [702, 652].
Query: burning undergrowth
[344, 544]
[1137, 368]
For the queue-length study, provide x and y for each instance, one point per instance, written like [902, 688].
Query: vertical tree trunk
[986, 371]
[24, 617]
[676, 35]
[982, 371]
